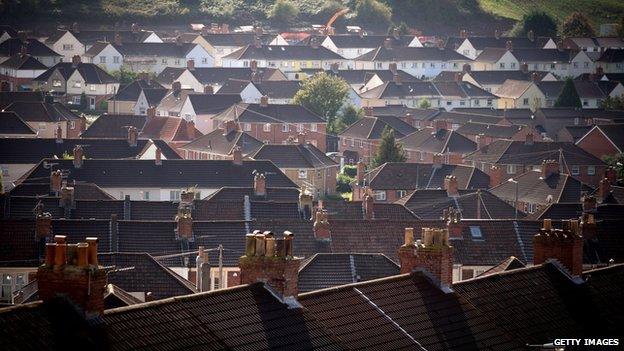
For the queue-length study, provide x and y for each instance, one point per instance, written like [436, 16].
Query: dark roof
[272, 113]
[499, 77]
[218, 142]
[8, 97]
[421, 88]
[238, 194]
[405, 176]
[612, 55]
[126, 36]
[402, 111]
[543, 55]
[440, 141]
[356, 76]
[172, 173]
[113, 126]
[573, 210]
[491, 130]
[481, 43]
[11, 123]
[82, 191]
[212, 104]
[132, 91]
[373, 127]
[614, 132]
[411, 54]
[327, 270]
[283, 52]
[217, 75]
[42, 111]
[509, 264]
[354, 210]
[25, 62]
[154, 96]
[366, 41]
[34, 47]
[155, 49]
[236, 39]
[90, 72]
[276, 89]
[407, 311]
[293, 156]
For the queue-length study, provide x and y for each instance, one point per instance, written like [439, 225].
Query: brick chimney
[190, 65]
[529, 139]
[229, 127]
[368, 207]
[190, 130]
[134, 28]
[184, 224]
[202, 263]
[314, 43]
[396, 34]
[524, 68]
[133, 134]
[466, 68]
[117, 40]
[480, 139]
[437, 160]
[611, 175]
[43, 225]
[599, 71]
[432, 253]
[368, 111]
[396, 78]
[75, 27]
[176, 87]
[58, 133]
[334, 67]
[463, 33]
[509, 45]
[208, 89]
[270, 260]
[564, 245]
[439, 124]
[56, 181]
[72, 270]
[496, 176]
[76, 60]
[604, 189]
[264, 101]
[387, 44]
[549, 167]
[237, 156]
[589, 203]
[253, 64]
[78, 155]
[151, 112]
[306, 204]
[301, 138]
[67, 198]
[259, 184]
[158, 157]
[321, 225]
[453, 222]
[450, 185]
[393, 68]
[187, 196]
[535, 77]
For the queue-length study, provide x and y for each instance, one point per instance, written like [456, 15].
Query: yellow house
[520, 94]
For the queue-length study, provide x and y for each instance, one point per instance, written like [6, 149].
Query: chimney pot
[56, 181]
[393, 67]
[387, 44]
[564, 245]
[190, 65]
[78, 155]
[549, 167]
[450, 185]
[158, 157]
[321, 225]
[432, 253]
[58, 133]
[529, 139]
[259, 184]
[368, 204]
[397, 79]
[208, 89]
[237, 156]
[133, 133]
[117, 39]
[264, 101]
[176, 87]
[76, 60]
[509, 45]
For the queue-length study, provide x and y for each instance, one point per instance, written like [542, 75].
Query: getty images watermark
[558, 343]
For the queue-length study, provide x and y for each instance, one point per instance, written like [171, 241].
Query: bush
[343, 183]
[373, 12]
[577, 25]
[539, 22]
[350, 170]
[284, 12]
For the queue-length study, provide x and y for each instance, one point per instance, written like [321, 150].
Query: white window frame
[591, 170]
[302, 174]
[575, 170]
[512, 169]
[285, 128]
[379, 195]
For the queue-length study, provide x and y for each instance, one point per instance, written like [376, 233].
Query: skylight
[475, 232]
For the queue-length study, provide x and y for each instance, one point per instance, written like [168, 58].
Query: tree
[617, 162]
[389, 150]
[125, 77]
[284, 12]
[324, 95]
[539, 22]
[424, 103]
[577, 25]
[620, 30]
[613, 103]
[83, 101]
[568, 97]
[347, 117]
[373, 12]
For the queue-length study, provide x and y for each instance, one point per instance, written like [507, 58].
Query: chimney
[151, 113]
[179, 41]
[270, 260]
[524, 67]
[450, 185]
[259, 184]
[334, 67]
[208, 89]
[440, 44]
[306, 204]
[253, 64]
[535, 77]
[314, 43]
[393, 67]
[611, 175]
[258, 31]
[437, 160]
[117, 39]
[409, 119]
[564, 245]
[480, 140]
[76, 60]
[396, 78]
[256, 78]
[133, 133]
[589, 203]
[387, 44]
[466, 68]
[24, 50]
[496, 176]
[599, 71]
[432, 253]
[158, 157]
[368, 111]
[509, 45]
[452, 218]
[237, 156]
[301, 139]
[184, 224]
[604, 189]
[58, 133]
[463, 34]
[72, 270]
[75, 27]
[459, 76]
[396, 34]
[67, 199]
[176, 87]
[190, 130]
[230, 126]
[202, 263]
[264, 101]
[528, 139]
[439, 124]
[134, 28]
[321, 225]
[127, 207]
[78, 155]
[225, 28]
[56, 181]
[187, 196]
[360, 172]
[531, 35]
[190, 65]
[368, 204]
[549, 167]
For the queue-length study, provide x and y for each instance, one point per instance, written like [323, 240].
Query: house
[520, 94]
[220, 144]
[130, 99]
[593, 44]
[201, 108]
[70, 80]
[484, 134]
[492, 80]
[603, 140]
[275, 124]
[558, 62]
[33, 47]
[7, 32]
[9, 97]
[46, 118]
[113, 126]
[533, 190]
[473, 46]
[287, 58]
[495, 59]
[590, 93]
[360, 140]
[352, 46]
[304, 164]
[201, 77]
[12, 126]
[173, 130]
[420, 62]
[65, 43]
[425, 144]
[554, 120]
[512, 158]
[393, 180]
[17, 73]
[171, 103]
[278, 92]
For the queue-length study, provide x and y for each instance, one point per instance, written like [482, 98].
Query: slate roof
[518, 152]
[217, 75]
[411, 54]
[276, 89]
[543, 55]
[399, 175]
[155, 49]
[327, 270]
[497, 77]
[421, 88]
[408, 311]
[41, 111]
[481, 43]
[212, 104]
[23, 62]
[373, 127]
[236, 39]
[293, 156]
[573, 210]
[491, 130]
[509, 264]
[132, 91]
[13, 46]
[217, 142]
[238, 194]
[402, 111]
[113, 126]
[440, 141]
[8, 97]
[366, 41]
[82, 191]
[282, 113]
[90, 72]
[11, 123]
[513, 88]
[172, 173]
[353, 210]
[612, 55]
[282, 52]
[360, 77]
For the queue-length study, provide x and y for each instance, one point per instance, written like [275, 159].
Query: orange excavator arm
[335, 17]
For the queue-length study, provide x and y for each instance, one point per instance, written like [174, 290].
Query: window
[266, 127]
[72, 124]
[361, 143]
[576, 170]
[352, 142]
[177, 62]
[476, 102]
[77, 84]
[531, 208]
[313, 127]
[68, 47]
[511, 169]
[115, 59]
[145, 195]
[575, 64]
[303, 174]
[92, 87]
[379, 65]
[77, 100]
[102, 59]
[467, 273]
[380, 195]
[285, 128]
[513, 65]
[174, 195]
[585, 102]
[400, 193]
[56, 83]
[462, 103]
[300, 127]
[525, 101]
[344, 141]
[247, 127]
[475, 232]
[164, 61]
[489, 102]
[501, 65]
[204, 60]
[591, 170]
[552, 66]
